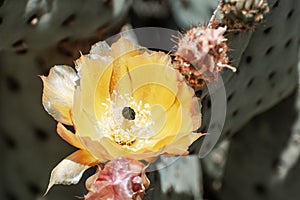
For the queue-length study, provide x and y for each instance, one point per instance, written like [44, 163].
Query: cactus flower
[123, 100]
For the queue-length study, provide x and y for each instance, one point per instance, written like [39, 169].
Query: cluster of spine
[201, 53]
[242, 15]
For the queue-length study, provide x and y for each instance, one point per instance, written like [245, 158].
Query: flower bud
[201, 55]
[121, 179]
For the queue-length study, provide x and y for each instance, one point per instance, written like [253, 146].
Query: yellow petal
[97, 149]
[196, 115]
[106, 149]
[155, 84]
[151, 74]
[178, 121]
[83, 157]
[88, 100]
[101, 48]
[68, 136]
[185, 114]
[180, 145]
[190, 104]
[70, 170]
[171, 127]
[92, 70]
[58, 93]
[149, 58]
[122, 51]
[117, 72]
[124, 47]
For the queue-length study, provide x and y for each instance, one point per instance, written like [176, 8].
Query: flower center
[126, 120]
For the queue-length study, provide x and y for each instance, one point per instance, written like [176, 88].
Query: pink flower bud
[121, 179]
[201, 55]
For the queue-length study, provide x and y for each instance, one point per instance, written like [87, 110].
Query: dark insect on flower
[128, 113]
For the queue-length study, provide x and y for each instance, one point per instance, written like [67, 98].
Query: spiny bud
[201, 55]
[242, 15]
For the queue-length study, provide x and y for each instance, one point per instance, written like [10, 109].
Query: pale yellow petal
[58, 93]
[83, 157]
[177, 125]
[106, 149]
[196, 115]
[180, 145]
[171, 127]
[185, 114]
[121, 77]
[154, 84]
[96, 149]
[149, 57]
[190, 103]
[68, 136]
[69, 171]
[93, 70]
[89, 98]
[124, 47]
[101, 48]
[122, 50]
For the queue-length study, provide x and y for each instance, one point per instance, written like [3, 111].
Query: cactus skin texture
[249, 160]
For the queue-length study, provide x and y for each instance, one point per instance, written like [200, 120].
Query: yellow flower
[124, 101]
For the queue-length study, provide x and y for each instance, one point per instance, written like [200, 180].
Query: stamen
[126, 121]
[227, 66]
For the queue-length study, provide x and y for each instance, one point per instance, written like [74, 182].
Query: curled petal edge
[69, 170]
[58, 92]
[68, 136]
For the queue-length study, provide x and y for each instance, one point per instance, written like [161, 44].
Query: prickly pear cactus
[260, 57]
[259, 54]
[255, 157]
[38, 34]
